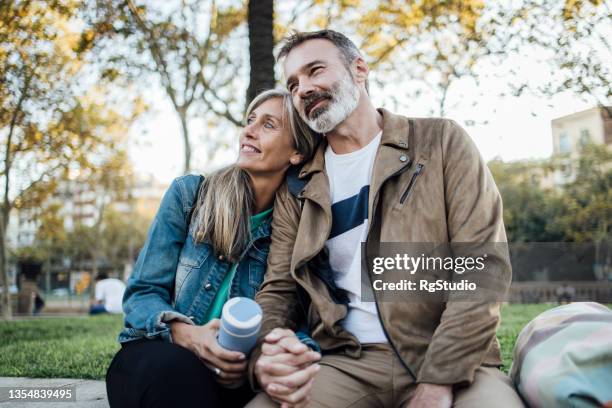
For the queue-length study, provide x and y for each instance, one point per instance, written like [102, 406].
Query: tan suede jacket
[433, 186]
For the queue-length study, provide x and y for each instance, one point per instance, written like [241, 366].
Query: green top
[214, 310]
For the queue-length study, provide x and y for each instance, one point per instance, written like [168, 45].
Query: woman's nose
[250, 131]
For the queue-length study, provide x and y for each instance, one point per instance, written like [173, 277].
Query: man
[108, 295]
[376, 177]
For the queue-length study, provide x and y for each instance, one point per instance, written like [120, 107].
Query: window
[585, 137]
[565, 144]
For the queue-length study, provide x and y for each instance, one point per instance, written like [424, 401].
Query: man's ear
[296, 158]
[360, 70]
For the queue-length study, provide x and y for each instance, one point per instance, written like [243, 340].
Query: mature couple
[336, 172]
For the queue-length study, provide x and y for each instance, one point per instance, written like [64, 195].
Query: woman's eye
[249, 121]
[269, 125]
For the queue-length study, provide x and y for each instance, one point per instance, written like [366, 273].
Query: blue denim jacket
[175, 279]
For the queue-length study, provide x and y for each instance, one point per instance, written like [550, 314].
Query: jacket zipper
[416, 173]
[382, 324]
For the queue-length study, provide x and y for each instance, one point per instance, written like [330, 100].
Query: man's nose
[305, 88]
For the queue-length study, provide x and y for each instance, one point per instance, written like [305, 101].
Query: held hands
[286, 368]
[230, 366]
[431, 395]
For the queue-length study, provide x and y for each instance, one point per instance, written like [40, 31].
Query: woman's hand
[230, 366]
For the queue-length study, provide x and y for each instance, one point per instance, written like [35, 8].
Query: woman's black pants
[155, 373]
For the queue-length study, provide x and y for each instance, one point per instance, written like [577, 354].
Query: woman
[209, 241]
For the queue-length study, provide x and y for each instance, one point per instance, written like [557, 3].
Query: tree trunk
[95, 251]
[185, 130]
[6, 294]
[261, 44]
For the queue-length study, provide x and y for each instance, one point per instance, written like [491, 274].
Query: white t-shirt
[110, 292]
[349, 178]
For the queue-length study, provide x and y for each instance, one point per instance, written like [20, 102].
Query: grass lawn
[82, 347]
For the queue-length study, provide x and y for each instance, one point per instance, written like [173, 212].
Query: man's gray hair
[348, 50]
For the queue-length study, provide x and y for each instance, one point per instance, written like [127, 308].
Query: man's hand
[431, 395]
[285, 369]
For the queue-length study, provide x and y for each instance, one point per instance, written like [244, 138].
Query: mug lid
[242, 313]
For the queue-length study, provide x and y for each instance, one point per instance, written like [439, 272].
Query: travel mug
[240, 324]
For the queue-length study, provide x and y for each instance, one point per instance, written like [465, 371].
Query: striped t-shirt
[349, 179]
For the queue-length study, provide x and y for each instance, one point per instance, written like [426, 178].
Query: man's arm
[474, 215]
[277, 296]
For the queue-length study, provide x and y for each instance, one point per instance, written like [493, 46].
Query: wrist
[180, 332]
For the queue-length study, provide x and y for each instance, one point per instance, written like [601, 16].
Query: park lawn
[83, 347]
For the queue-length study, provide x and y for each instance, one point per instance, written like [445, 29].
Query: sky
[506, 127]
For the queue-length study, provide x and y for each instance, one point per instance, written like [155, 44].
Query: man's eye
[316, 70]
[291, 88]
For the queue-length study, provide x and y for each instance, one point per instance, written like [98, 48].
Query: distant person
[565, 293]
[109, 295]
[39, 303]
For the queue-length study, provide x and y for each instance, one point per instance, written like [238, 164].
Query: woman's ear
[296, 158]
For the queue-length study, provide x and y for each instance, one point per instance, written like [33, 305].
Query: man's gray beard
[345, 97]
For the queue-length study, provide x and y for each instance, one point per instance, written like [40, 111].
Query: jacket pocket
[193, 255]
[257, 259]
[182, 273]
[411, 183]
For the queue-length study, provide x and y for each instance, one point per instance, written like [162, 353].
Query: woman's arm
[148, 296]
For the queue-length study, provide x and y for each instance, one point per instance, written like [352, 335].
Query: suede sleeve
[277, 296]
[474, 215]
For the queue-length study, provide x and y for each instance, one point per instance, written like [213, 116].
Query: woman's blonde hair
[225, 199]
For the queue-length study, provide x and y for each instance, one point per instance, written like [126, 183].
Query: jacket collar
[264, 229]
[396, 133]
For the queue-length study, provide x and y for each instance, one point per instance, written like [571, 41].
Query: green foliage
[572, 37]
[578, 211]
[588, 198]
[529, 210]
[429, 44]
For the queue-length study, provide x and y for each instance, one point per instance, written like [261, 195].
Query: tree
[428, 46]
[195, 63]
[261, 44]
[51, 127]
[587, 201]
[572, 38]
[121, 234]
[111, 181]
[529, 211]
[425, 45]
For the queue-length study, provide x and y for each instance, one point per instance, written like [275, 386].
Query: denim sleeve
[148, 295]
[309, 341]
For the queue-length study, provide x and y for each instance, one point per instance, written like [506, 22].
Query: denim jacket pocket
[193, 255]
[258, 255]
[192, 258]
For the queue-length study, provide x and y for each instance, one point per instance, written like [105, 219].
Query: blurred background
[103, 103]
